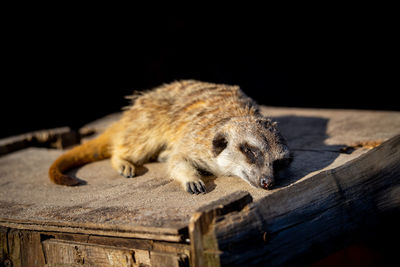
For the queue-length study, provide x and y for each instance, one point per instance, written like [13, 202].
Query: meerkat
[196, 128]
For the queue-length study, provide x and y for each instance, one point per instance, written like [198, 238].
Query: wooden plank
[317, 214]
[3, 245]
[31, 249]
[27, 248]
[161, 259]
[55, 138]
[14, 247]
[122, 242]
[140, 247]
[203, 242]
[168, 247]
[119, 242]
[67, 253]
[142, 257]
[156, 233]
[66, 236]
[70, 253]
[21, 248]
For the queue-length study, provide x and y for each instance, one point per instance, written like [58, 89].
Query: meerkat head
[250, 148]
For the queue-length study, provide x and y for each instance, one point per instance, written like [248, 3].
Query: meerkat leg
[123, 166]
[164, 155]
[185, 173]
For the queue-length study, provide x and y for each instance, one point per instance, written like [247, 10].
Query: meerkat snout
[267, 182]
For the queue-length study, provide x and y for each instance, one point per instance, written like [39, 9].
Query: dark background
[58, 71]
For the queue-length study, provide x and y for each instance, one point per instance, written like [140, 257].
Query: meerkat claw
[197, 187]
[201, 187]
[191, 188]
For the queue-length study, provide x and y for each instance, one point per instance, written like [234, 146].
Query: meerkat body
[192, 126]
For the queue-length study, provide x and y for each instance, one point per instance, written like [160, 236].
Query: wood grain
[156, 233]
[67, 253]
[203, 241]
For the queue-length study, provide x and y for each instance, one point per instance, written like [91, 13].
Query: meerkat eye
[249, 152]
[219, 143]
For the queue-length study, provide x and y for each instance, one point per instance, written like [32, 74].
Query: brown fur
[179, 122]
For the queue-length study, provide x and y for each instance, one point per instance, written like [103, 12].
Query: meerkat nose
[266, 182]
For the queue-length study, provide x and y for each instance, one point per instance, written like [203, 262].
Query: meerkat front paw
[124, 167]
[196, 187]
[127, 170]
[182, 170]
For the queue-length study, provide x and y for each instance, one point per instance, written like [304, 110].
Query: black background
[60, 71]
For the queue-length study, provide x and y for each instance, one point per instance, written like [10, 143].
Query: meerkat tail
[93, 150]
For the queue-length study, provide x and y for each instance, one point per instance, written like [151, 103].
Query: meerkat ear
[219, 143]
[268, 123]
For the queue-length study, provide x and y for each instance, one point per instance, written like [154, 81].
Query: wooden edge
[203, 242]
[232, 202]
[154, 233]
[53, 138]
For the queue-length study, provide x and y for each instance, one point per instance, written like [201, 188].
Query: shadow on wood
[305, 136]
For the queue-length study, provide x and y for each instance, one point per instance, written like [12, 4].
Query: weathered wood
[21, 248]
[67, 253]
[315, 215]
[3, 246]
[203, 240]
[148, 251]
[156, 233]
[31, 249]
[204, 244]
[130, 243]
[70, 253]
[14, 247]
[133, 243]
[54, 138]
[161, 259]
